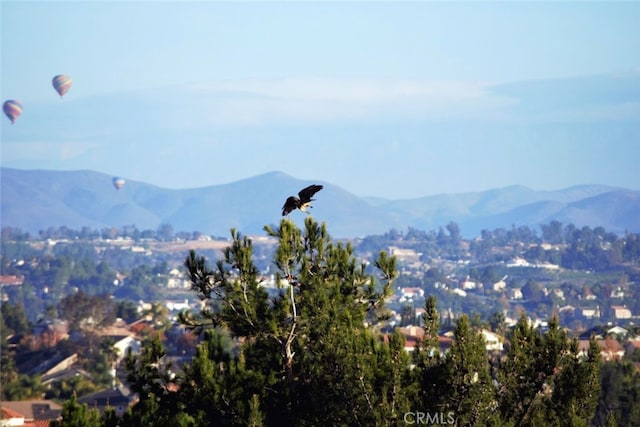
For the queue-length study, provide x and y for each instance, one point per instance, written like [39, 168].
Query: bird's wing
[307, 193]
[289, 205]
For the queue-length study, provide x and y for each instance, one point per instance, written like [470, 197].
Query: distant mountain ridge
[34, 200]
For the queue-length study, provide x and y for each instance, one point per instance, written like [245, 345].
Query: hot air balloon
[12, 108]
[118, 183]
[62, 84]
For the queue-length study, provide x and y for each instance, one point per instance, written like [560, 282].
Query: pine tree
[468, 392]
[576, 390]
[544, 379]
[256, 418]
[520, 382]
[311, 350]
[217, 387]
[75, 414]
[431, 327]
[149, 376]
[619, 402]
[428, 372]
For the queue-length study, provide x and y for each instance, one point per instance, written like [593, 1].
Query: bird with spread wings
[303, 201]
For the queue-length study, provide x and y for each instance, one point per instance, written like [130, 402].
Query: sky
[391, 99]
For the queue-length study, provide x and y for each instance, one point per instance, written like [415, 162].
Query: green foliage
[431, 320]
[17, 386]
[520, 381]
[545, 379]
[467, 389]
[139, 284]
[64, 389]
[77, 415]
[619, 402]
[309, 353]
[87, 312]
[14, 319]
[575, 391]
[312, 352]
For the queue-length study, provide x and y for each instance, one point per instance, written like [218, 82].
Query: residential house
[621, 312]
[405, 255]
[493, 341]
[459, 292]
[618, 330]
[500, 285]
[617, 293]
[178, 280]
[590, 313]
[610, 349]
[409, 294]
[62, 369]
[569, 309]
[514, 294]
[48, 334]
[66, 374]
[11, 280]
[118, 398]
[141, 327]
[177, 305]
[444, 344]
[518, 262]
[123, 344]
[411, 331]
[11, 418]
[467, 283]
[57, 362]
[29, 413]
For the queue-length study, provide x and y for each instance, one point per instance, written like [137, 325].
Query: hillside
[37, 199]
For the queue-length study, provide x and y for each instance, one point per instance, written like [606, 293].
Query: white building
[493, 341]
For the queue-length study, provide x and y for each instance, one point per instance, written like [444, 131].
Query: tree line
[576, 248]
[164, 232]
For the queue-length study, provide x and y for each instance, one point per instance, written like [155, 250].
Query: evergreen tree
[619, 402]
[217, 386]
[428, 372]
[520, 383]
[575, 392]
[75, 414]
[311, 350]
[311, 353]
[468, 392]
[149, 376]
[431, 327]
[544, 379]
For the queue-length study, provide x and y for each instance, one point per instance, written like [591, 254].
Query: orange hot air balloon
[118, 183]
[62, 84]
[12, 108]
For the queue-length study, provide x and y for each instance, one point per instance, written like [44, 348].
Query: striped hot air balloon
[118, 183]
[62, 84]
[12, 108]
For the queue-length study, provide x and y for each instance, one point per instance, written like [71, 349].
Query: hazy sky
[343, 85]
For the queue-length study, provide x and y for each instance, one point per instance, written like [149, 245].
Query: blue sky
[397, 99]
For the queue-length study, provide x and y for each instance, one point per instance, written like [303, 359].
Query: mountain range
[34, 200]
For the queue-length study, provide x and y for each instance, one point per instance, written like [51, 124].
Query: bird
[303, 201]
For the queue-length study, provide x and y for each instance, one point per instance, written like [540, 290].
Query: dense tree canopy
[312, 352]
